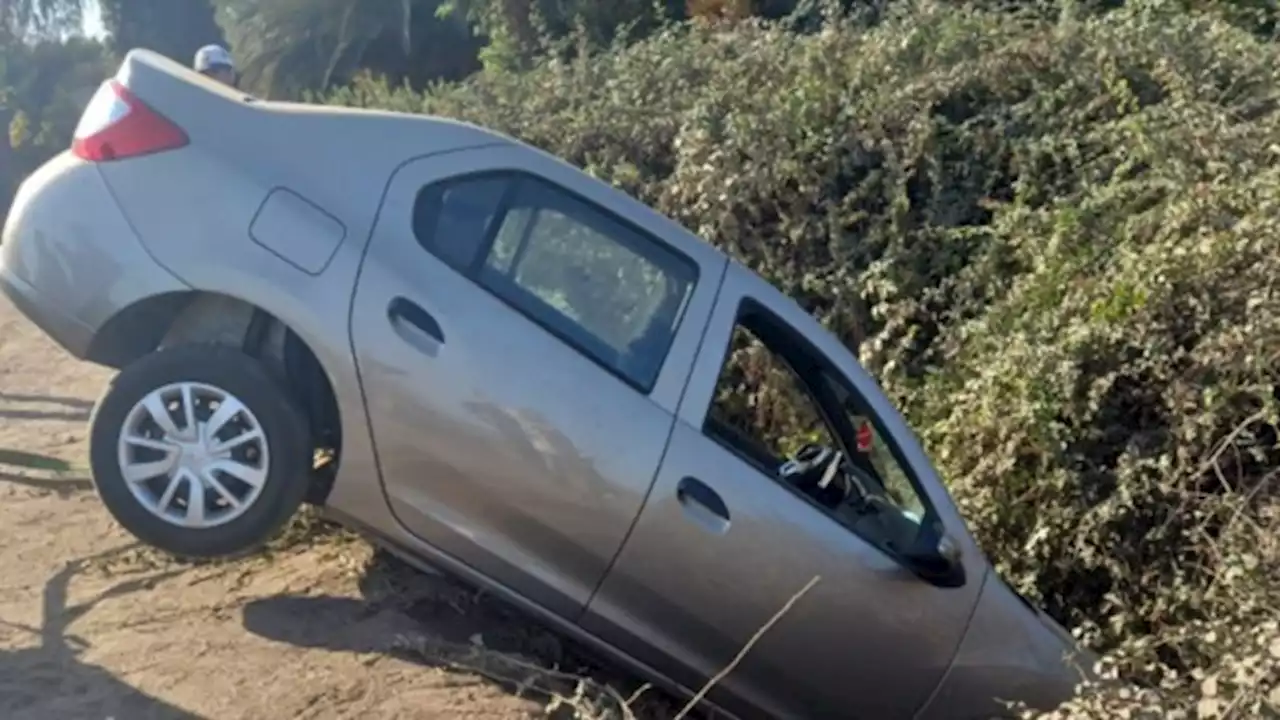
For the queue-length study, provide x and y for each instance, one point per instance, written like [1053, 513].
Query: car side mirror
[936, 558]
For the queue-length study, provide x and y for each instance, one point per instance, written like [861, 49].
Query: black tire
[282, 423]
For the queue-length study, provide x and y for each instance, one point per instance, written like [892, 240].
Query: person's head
[214, 61]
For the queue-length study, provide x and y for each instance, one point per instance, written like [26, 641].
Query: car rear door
[723, 545]
[522, 337]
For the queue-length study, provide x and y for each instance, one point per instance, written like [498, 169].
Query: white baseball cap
[212, 56]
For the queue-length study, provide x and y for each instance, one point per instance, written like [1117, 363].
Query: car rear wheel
[198, 451]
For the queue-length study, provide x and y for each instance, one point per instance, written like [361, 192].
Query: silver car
[499, 366]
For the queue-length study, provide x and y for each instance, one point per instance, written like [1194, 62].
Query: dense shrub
[1056, 244]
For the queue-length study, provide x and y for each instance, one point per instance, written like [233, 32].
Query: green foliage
[290, 47]
[287, 47]
[38, 19]
[1258, 16]
[43, 89]
[520, 31]
[175, 28]
[1052, 238]
[1050, 234]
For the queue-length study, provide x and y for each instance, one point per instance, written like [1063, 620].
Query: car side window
[607, 289]
[452, 219]
[775, 398]
[760, 408]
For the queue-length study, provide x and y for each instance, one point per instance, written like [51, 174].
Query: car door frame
[608, 614]
[500, 157]
[519, 160]
[700, 393]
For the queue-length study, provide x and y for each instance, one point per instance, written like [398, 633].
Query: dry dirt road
[93, 627]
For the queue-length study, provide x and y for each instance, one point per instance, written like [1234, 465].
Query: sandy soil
[94, 627]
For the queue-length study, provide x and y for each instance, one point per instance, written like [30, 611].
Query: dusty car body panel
[532, 490]
[673, 571]
[1004, 654]
[582, 482]
[88, 259]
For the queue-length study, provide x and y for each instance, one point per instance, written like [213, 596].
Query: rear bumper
[73, 335]
[69, 259]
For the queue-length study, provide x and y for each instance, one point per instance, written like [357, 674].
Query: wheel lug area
[193, 455]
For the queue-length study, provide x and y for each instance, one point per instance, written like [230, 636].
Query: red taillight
[117, 125]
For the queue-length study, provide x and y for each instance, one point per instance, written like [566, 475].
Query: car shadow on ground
[62, 486]
[438, 623]
[32, 461]
[71, 402]
[48, 680]
[41, 472]
[69, 409]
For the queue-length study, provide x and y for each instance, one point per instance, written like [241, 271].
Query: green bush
[44, 87]
[1056, 243]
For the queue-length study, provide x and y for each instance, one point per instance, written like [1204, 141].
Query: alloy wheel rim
[193, 455]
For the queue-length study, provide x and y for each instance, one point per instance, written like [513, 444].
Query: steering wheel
[819, 472]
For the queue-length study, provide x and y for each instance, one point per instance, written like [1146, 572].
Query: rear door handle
[703, 504]
[404, 314]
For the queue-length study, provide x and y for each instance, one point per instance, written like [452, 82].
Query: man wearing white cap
[214, 61]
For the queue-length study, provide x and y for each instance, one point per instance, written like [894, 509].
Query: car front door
[724, 543]
[522, 345]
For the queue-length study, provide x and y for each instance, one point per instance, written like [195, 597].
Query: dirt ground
[94, 627]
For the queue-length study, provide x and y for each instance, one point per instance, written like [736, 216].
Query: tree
[30, 20]
[176, 28]
[44, 86]
[287, 47]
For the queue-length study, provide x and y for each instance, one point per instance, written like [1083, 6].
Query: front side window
[610, 291]
[785, 411]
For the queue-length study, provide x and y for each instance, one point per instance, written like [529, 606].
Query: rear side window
[607, 289]
[452, 220]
